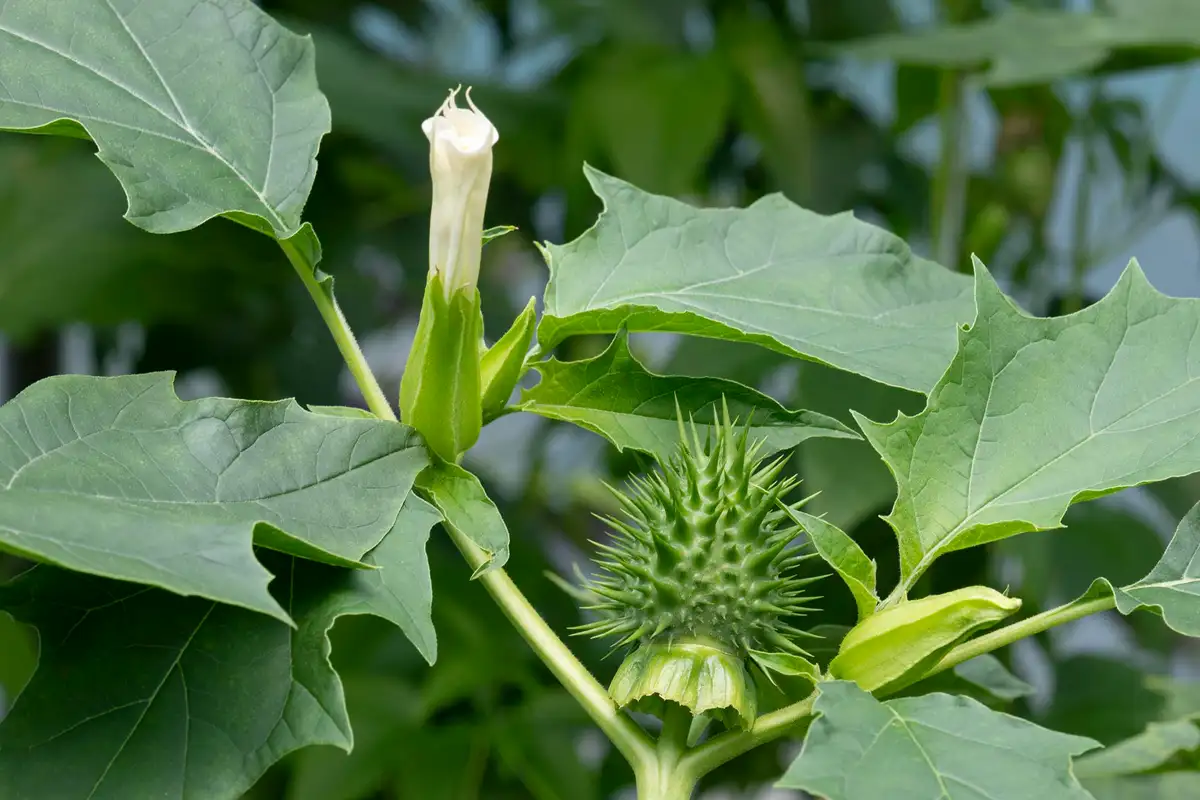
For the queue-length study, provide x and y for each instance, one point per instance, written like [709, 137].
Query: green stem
[1074, 610]
[342, 335]
[949, 191]
[1080, 255]
[716, 751]
[625, 734]
[661, 778]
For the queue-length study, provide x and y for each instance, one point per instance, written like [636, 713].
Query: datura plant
[190, 557]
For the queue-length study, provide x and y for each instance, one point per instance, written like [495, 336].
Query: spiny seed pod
[701, 572]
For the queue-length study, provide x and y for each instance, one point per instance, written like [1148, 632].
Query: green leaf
[503, 364]
[983, 678]
[832, 289]
[120, 478]
[342, 411]
[1034, 414]
[845, 556]
[1173, 586]
[18, 659]
[1157, 786]
[1028, 45]
[1148, 750]
[615, 396]
[200, 107]
[383, 711]
[497, 231]
[1101, 698]
[465, 506]
[148, 694]
[788, 664]
[987, 673]
[933, 746]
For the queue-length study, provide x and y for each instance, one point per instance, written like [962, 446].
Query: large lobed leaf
[832, 289]
[936, 746]
[615, 396]
[120, 478]
[1033, 45]
[147, 694]
[200, 107]
[1034, 414]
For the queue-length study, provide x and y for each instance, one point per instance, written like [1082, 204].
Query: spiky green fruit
[702, 556]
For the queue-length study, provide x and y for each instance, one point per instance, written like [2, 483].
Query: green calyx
[698, 674]
[440, 391]
[703, 555]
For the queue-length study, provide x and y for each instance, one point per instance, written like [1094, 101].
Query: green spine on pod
[701, 574]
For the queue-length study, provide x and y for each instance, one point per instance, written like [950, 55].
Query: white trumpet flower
[460, 162]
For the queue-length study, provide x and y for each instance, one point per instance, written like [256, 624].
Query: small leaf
[1037, 45]
[786, 664]
[148, 694]
[1173, 586]
[845, 556]
[1034, 414]
[465, 506]
[118, 477]
[200, 107]
[501, 367]
[1149, 750]
[342, 411]
[936, 746]
[832, 289]
[989, 674]
[497, 231]
[615, 396]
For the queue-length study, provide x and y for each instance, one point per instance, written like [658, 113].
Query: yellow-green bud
[894, 647]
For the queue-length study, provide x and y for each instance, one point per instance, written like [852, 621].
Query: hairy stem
[662, 778]
[727, 746]
[625, 734]
[342, 335]
[1074, 610]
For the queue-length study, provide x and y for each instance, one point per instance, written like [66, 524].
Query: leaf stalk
[336, 322]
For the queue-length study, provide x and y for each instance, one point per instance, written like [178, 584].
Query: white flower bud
[460, 161]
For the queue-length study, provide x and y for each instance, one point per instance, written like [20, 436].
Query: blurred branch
[1080, 252]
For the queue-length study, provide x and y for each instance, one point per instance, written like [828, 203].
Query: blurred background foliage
[1051, 139]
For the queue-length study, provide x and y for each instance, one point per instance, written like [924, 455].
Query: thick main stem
[626, 736]
[662, 777]
[347, 345]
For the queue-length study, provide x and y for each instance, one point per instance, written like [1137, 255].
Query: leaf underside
[615, 396]
[143, 693]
